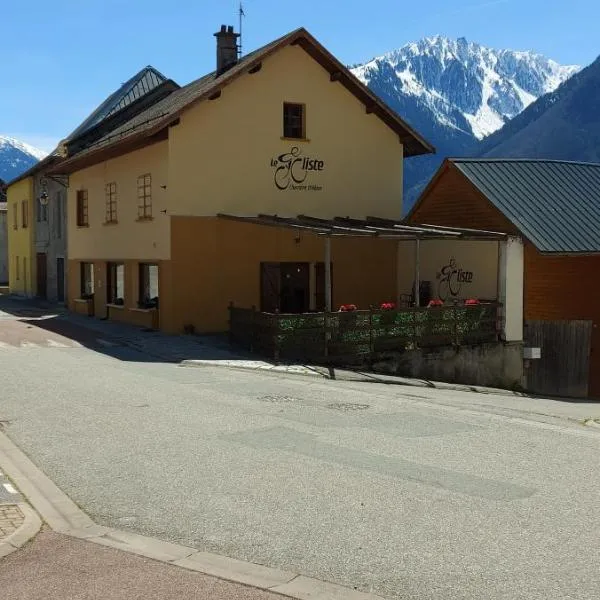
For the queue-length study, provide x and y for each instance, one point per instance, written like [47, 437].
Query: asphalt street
[407, 492]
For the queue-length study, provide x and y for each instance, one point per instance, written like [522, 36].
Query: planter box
[84, 306]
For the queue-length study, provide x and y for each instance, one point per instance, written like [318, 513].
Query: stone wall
[497, 364]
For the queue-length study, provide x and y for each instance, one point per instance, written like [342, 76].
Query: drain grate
[348, 406]
[276, 399]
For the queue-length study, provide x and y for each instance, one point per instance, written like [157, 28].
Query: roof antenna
[242, 14]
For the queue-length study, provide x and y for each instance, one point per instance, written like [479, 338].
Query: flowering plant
[434, 303]
[348, 307]
[387, 306]
[472, 302]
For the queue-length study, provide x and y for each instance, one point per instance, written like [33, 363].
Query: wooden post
[326, 320]
[327, 274]
[398, 276]
[417, 292]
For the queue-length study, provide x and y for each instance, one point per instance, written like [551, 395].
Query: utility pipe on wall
[327, 274]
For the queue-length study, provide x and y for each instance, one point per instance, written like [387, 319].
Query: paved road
[410, 493]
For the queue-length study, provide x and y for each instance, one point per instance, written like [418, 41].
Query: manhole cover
[348, 406]
[278, 399]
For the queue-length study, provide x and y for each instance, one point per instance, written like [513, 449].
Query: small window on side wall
[82, 208]
[294, 121]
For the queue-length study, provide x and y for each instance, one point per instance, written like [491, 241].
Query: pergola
[371, 227]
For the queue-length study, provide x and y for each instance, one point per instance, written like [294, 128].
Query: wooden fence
[344, 336]
[564, 367]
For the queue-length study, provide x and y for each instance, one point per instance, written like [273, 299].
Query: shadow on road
[117, 340]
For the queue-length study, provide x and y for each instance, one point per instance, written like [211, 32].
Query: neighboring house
[38, 251]
[3, 243]
[3, 235]
[555, 207]
[285, 130]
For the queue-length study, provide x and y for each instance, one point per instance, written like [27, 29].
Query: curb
[348, 375]
[65, 517]
[31, 525]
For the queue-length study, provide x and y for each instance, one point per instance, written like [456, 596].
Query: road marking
[55, 344]
[277, 439]
[9, 488]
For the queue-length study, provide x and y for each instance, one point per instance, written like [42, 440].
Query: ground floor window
[115, 283]
[148, 293]
[87, 280]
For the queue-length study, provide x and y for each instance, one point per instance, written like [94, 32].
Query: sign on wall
[452, 279]
[296, 171]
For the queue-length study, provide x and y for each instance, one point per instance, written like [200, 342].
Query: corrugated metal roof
[136, 87]
[554, 204]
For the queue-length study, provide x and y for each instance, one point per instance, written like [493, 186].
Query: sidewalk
[58, 567]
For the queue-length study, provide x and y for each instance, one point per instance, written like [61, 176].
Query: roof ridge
[521, 160]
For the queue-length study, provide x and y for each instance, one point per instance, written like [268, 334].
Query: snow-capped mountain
[456, 92]
[16, 157]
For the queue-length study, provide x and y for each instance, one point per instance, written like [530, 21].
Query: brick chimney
[227, 48]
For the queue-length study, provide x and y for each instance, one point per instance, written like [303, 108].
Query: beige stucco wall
[221, 152]
[129, 238]
[477, 257]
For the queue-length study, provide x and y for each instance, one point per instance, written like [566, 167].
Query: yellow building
[21, 266]
[285, 130]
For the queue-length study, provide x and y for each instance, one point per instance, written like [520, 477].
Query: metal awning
[374, 227]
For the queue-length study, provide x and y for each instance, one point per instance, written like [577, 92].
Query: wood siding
[452, 200]
[556, 287]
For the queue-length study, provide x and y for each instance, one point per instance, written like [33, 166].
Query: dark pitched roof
[554, 204]
[136, 87]
[131, 97]
[156, 118]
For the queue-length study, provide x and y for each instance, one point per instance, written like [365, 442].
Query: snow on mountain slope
[455, 93]
[466, 85]
[16, 157]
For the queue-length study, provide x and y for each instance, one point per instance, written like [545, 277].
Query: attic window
[294, 122]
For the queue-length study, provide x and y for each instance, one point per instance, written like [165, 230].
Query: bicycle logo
[292, 169]
[451, 279]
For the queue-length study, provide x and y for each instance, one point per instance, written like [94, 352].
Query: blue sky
[60, 59]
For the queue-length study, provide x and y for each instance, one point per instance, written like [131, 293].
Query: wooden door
[60, 279]
[563, 369]
[270, 287]
[42, 275]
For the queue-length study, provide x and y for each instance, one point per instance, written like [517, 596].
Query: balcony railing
[347, 336]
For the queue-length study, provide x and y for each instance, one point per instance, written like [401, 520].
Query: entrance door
[285, 287]
[295, 287]
[60, 279]
[42, 275]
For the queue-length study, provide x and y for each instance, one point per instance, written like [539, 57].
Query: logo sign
[451, 278]
[294, 171]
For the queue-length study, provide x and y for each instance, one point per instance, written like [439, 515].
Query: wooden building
[555, 207]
